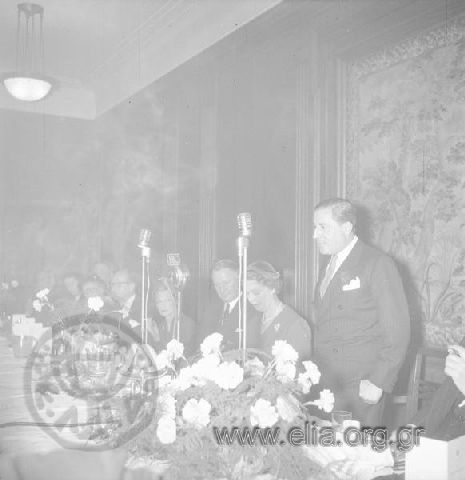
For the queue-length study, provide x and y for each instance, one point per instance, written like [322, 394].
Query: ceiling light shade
[27, 83]
[28, 89]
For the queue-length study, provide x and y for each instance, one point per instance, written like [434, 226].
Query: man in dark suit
[124, 292]
[222, 315]
[362, 325]
[443, 417]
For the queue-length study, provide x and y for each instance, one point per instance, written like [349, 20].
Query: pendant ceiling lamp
[28, 83]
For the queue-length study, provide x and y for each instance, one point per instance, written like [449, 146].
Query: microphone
[173, 259]
[144, 238]
[244, 222]
[178, 274]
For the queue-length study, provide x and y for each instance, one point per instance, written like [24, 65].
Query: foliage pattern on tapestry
[410, 154]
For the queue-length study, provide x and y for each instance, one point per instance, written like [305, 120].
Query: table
[29, 452]
[21, 441]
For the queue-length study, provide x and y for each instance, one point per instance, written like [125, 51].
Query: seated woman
[279, 321]
[70, 302]
[444, 417]
[163, 327]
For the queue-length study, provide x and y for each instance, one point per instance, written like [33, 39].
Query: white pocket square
[354, 284]
[133, 323]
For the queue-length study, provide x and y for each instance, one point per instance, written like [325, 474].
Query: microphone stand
[178, 314]
[242, 245]
[176, 281]
[144, 282]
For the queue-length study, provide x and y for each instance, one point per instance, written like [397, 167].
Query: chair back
[421, 384]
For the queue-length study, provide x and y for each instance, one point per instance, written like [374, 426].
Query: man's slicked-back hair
[342, 210]
[225, 264]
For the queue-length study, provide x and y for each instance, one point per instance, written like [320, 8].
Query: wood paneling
[207, 191]
[270, 136]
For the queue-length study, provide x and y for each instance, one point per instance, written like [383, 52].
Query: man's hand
[369, 392]
[455, 366]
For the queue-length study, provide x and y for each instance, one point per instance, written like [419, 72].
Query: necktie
[328, 275]
[225, 312]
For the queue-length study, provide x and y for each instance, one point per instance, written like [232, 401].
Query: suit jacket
[292, 328]
[215, 320]
[362, 332]
[442, 417]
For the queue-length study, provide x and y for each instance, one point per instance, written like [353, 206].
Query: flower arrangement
[207, 408]
[41, 302]
[44, 309]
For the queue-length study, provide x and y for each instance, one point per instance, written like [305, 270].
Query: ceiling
[353, 29]
[103, 51]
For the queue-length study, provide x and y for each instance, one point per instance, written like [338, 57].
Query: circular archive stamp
[90, 384]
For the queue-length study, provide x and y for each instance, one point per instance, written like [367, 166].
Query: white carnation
[161, 360]
[175, 349]
[263, 414]
[42, 294]
[37, 305]
[184, 380]
[197, 412]
[283, 352]
[95, 303]
[229, 375]
[305, 382]
[311, 369]
[326, 401]
[211, 344]
[166, 430]
[206, 368]
[285, 371]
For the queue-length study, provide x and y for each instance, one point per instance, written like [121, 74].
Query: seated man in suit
[94, 287]
[222, 316]
[444, 417]
[123, 291]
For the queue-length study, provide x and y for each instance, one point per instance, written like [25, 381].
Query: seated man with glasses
[124, 292]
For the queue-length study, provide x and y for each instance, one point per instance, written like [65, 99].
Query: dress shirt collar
[126, 308]
[230, 305]
[344, 253]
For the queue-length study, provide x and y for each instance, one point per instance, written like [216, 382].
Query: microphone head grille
[244, 222]
[144, 238]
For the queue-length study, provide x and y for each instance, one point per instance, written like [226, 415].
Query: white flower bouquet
[217, 418]
[43, 308]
